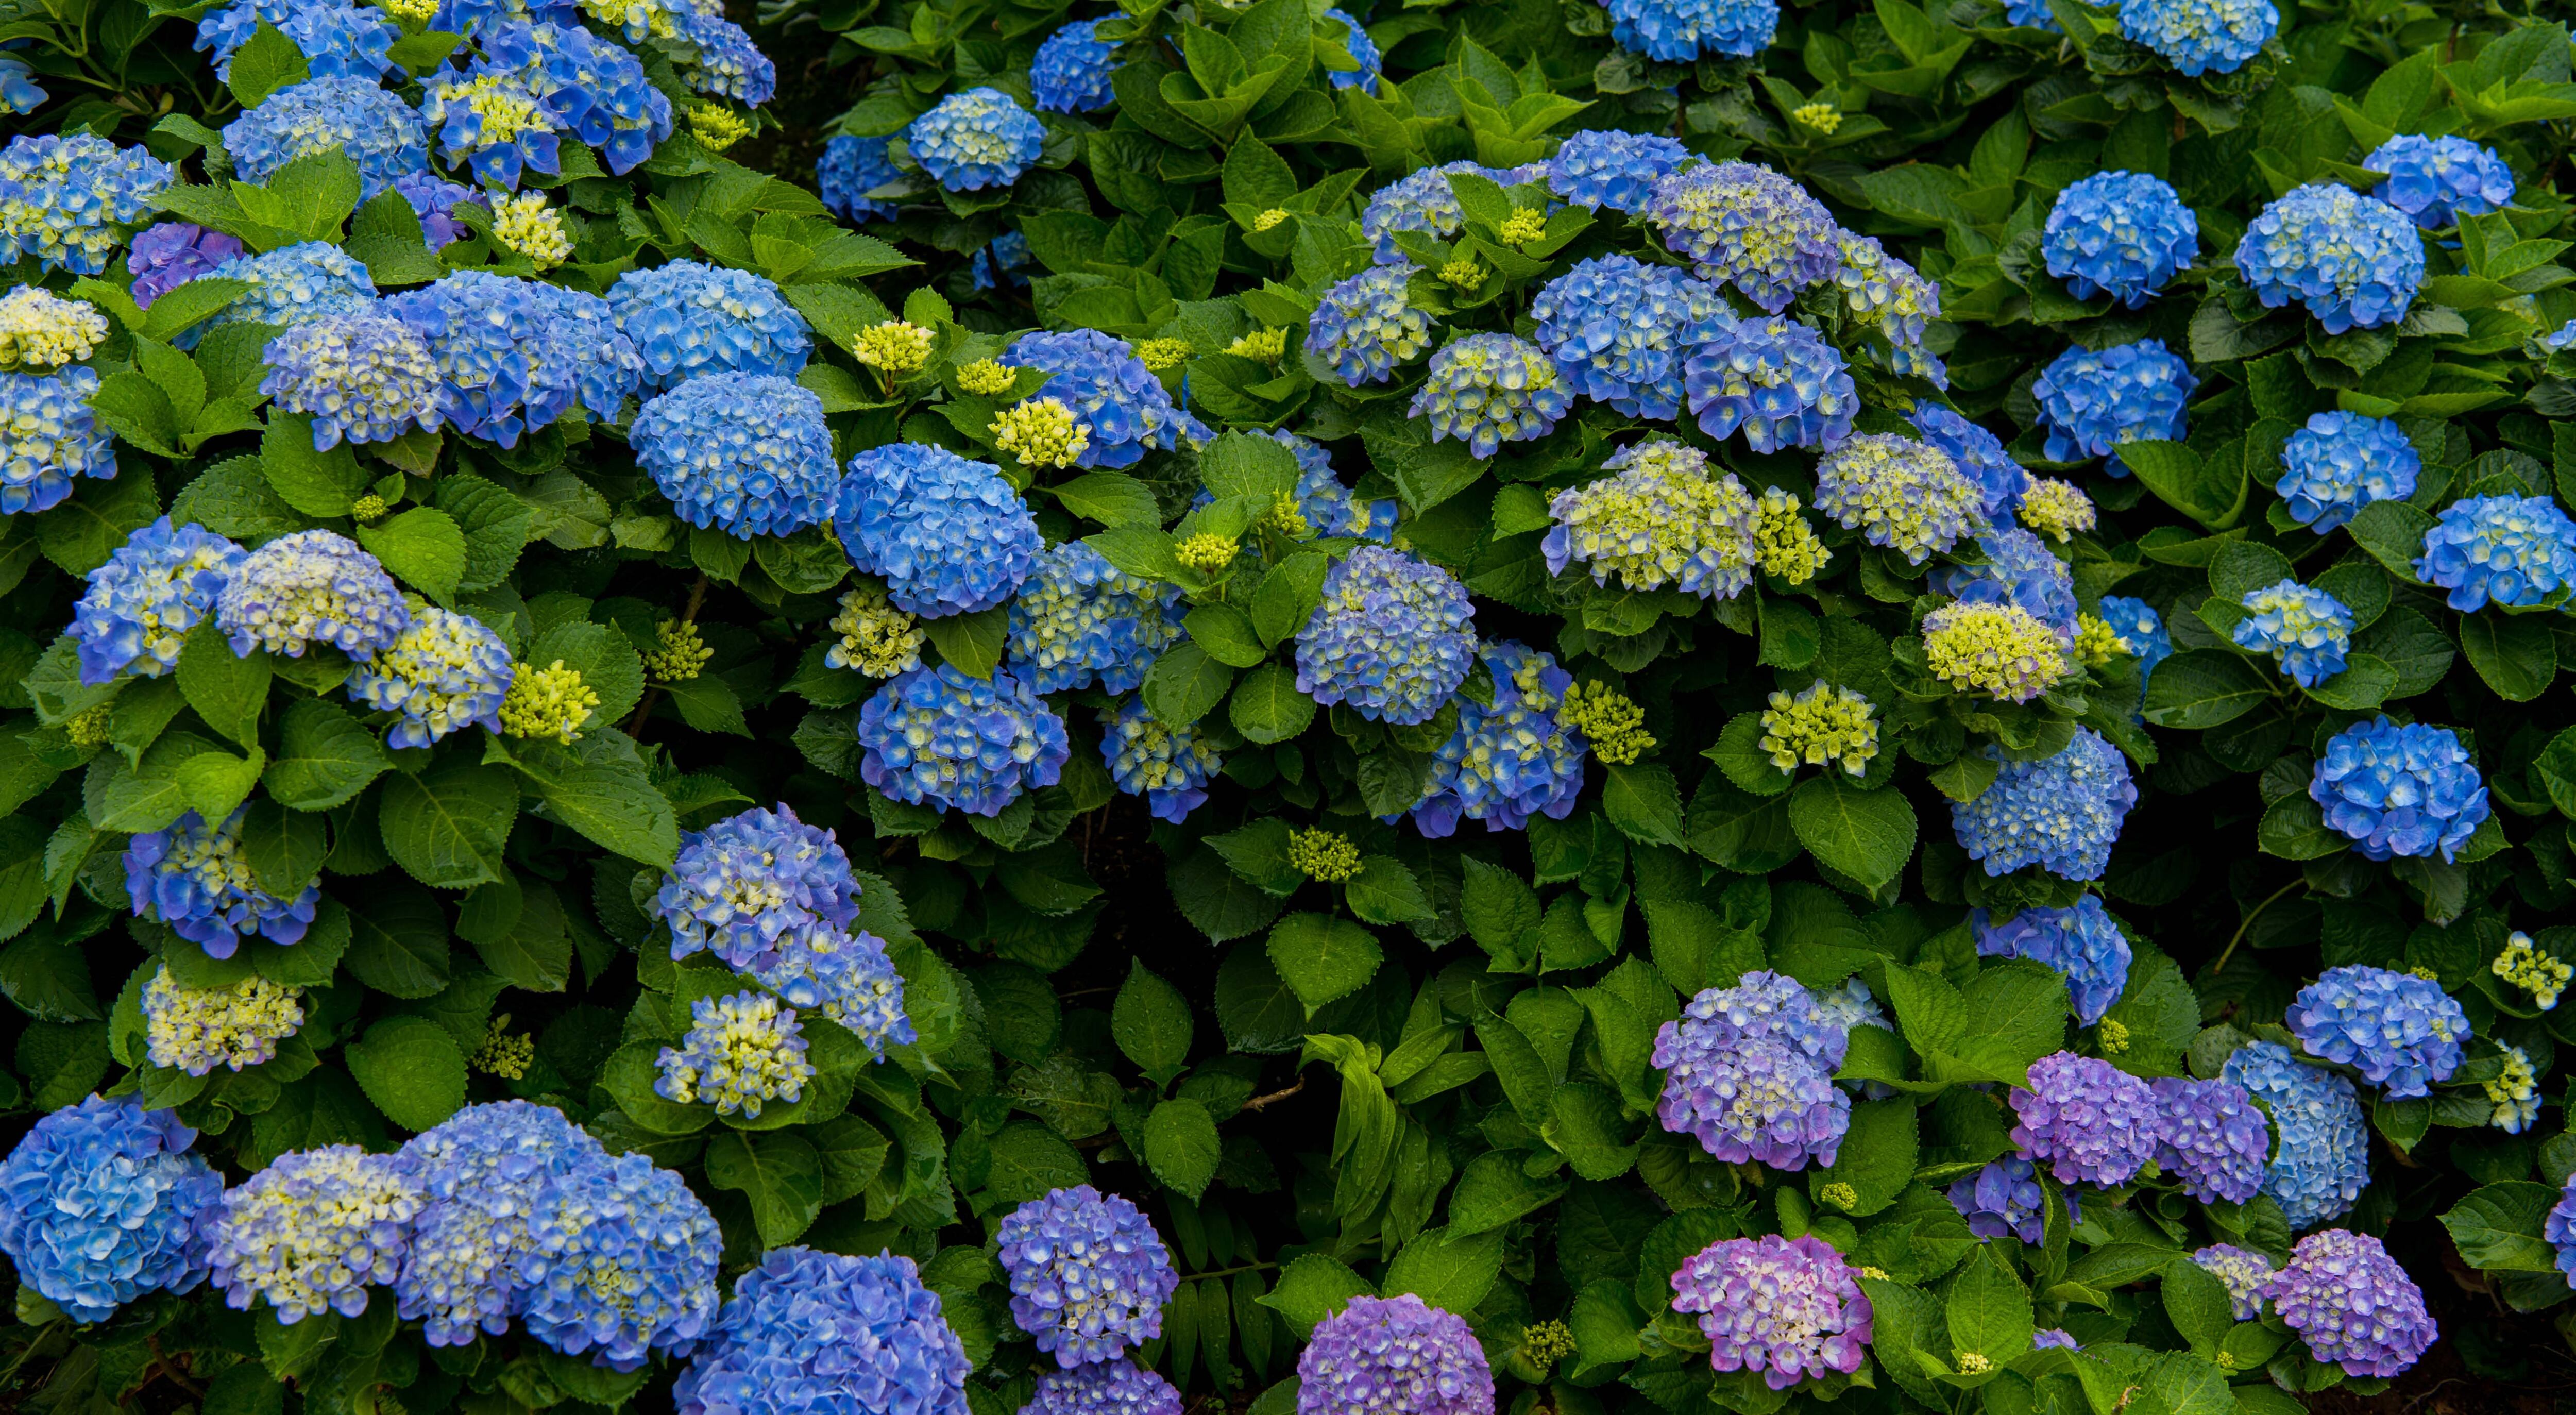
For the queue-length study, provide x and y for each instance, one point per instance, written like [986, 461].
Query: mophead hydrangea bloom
[41, 330]
[1659, 519]
[48, 436]
[2211, 1139]
[2341, 462]
[718, 57]
[515, 353]
[491, 120]
[481, 1173]
[2322, 1162]
[2001, 482]
[1619, 331]
[1087, 1272]
[140, 605]
[740, 1052]
[2518, 551]
[1678, 31]
[2402, 1032]
[1363, 51]
[446, 672]
[2560, 1229]
[344, 114]
[755, 887]
[1425, 202]
[1391, 637]
[234, 1026]
[1510, 761]
[2060, 813]
[593, 89]
[687, 319]
[1822, 725]
[2395, 790]
[2019, 570]
[847, 977]
[2436, 181]
[307, 588]
[2092, 401]
[1366, 325]
[810, 1331]
[1071, 71]
[1123, 409]
[1597, 168]
[2081, 943]
[172, 253]
[103, 1203]
[975, 139]
[621, 1263]
[1745, 225]
[2089, 1121]
[1899, 493]
[1119, 1387]
[2139, 627]
[359, 377]
[1168, 766]
[746, 453]
[2200, 36]
[2353, 260]
[1489, 389]
[294, 285]
[946, 535]
[2305, 630]
[2001, 650]
[849, 169]
[69, 201]
[1393, 1356]
[1778, 380]
[1790, 1308]
[1326, 506]
[2122, 234]
[1080, 620]
[434, 199]
[337, 38]
[2057, 509]
[2243, 1272]
[2353, 1305]
[314, 1230]
[193, 877]
[2007, 1199]
[936, 735]
[1748, 1072]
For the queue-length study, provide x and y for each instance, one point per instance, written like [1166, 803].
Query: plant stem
[2230, 950]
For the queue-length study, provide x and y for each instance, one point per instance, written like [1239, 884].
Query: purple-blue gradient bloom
[1510, 761]
[2518, 551]
[2061, 813]
[2436, 181]
[169, 255]
[1146, 756]
[756, 887]
[746, 453]
[314, 1230]
[135, 616]
[2089, 1121]
[101, 1202]
[1366, 325]
[2200, 36]
[360, 377]
[195, 878]
[815, 1333]
[2090, 402]
[335, 37]
[2212, 1138]
[2138, 624]
[1087, 1272]
[1619, 331]
[1392, 637]
[936, 735]
[2353, 260]
[2341, 462]
[2402, 1032]
[1778, 380]
[2021, 571]
[2081, 943]
[1790, 1308]
[1748, 1071]
[2123, 234]
[1116, 400]
[69, 201]
[948, 536]
[355, 116]
[2304, 629]
[515, 354]
[1978, 454]
[1079, 619]
[445, 673]
[53, 436]
[620, 1264]
[2008, 1199]
[2353, 1305]
[1743, 224]
[2560, 1230]
[2323, 1160]
[481, 1171]
[1597, 168]
[1393, 1356]
[2393, 790]
[1119, 1387]
[2242, 1271]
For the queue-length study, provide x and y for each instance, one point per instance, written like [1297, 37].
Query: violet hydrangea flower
[2081, 943]
[1790, 1308]
[1087, 1272]
[1393, 1356]
[2088, 1120]
[2212, 1138]
[2353, 1305]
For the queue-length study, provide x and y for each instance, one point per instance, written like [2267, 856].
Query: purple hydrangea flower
[2353, 1304]
[2560, 1230]
[2402, 1031]
[2006, 1199]
[1088, 1274]
[2088, 1120]
[1392, 637]
[1393, 1356]
[169, 255]
[1748, 1071]
[1787, 1307]
[1117, 1387]
[2242, 1271]
[2213, 1139]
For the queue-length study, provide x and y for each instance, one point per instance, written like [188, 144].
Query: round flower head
[1119, 404]
[169, 255]
[2244, 1273]
[198, 1029]
[688, 319]
[819, 1332]
[2139, 627]
[1775, 378]
[1425, 202]
[2353, 1305]
[2354, 261]
[140, 605]
[1660, 519]
[1902, 494]
[2007, 1199]
[976, 139]
[1088, 1274]
[2021, 571]
[1117, 1387]
[846, 977]
[620, 1263]
[2523, 964]
[2061, 813]
[2436, 181]
[2090, 402]
[1785, 545]
[295, 285]
[2307, 631]
[2211, 1139]
[2518, 551]
[1391, 637]
[936, 735]
[1820, 726]
[1787, 1307]
[103, 1204]
[311, 587]
[1619, 331]
[40, 330]
[1597, 168]
[2341, 462]
[514, 353]
[2123, 234]
[1489, 389]
[481, 1172]
[342, 114]
[2200, 36]
[1080, 619]
[595, 90]
[747, 453]
[492, 121]
[1366, 325]
[1510, 761]
[1748, 1071]
[1393, 1356]
[756, 887]
[739, 1053]
[1168, 766]
[2402, 1032]
[193, 877]
[2089, 1121]
[2057, 509]
[314, 1230]
[335, 37]
[2000, 650]
[719, 57]
[2395, 790]
[1748, 226]
[363, 377]
[1678, 31]
[2081, 943]
[1071, 71]
[876, 638]
[1978, 454]
[68, 202]
[948, 536]
[48, 436]
[848, 170]
[2322, 1162]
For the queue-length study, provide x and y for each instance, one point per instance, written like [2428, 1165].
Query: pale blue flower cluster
[172, 253]
[719, 56]
[596, 90]
[1421, 201]
[688, 319]
[849, 169]
[101, 1202]
[1392, 637]
[1899, 493]
[1748, 1072]
[344, 114]
[1885, 294]
[1071, 71]
[2021, 571]
[621, 1263]
[18, 91]
[2353, 260]
[2211, 1138]
[2393, 790]
[948, 536]
[1778, 380]
[2517, 551]
[747, 453]
[1328, 507]
[2322, 1162]
[1658, 519]
[483, 1172]
[2089, 1121]
[1510, 761]
[360, 377]
[1978, 454]
[974, 139]
[194, 878]
[1080, 620]
[2341, 462]
[740, 1052]
[315, 1230]
[311, 587]
[2436, 181]
[1597, 168]
[2091, 401]
[1393, 1356]
[2141, 628]
[755, 888]
[1748, 226]
[2402, 1032]
[67, 202]
[295, 285]
[335, 37]
[2304, 629]
[515, 353]
[2007, 1199]
[1104, 1388]
[1115, 399]
[1363, 50]
[849, 978]
[936, 735]
[2060, 813]
[1366, 325]
[445, 672]
[2124, 234]
[2200, 36]
[1790, 1308]
[2353, 1305]
[1087, 1272]
[2243, 1272]
[140, 605]
[1169, 766]
[1489, 389]
[2081, 943]
[52, 436]
[1678, 31]
[817, 1333]
[1619, 331]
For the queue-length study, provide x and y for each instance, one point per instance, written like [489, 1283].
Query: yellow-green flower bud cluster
[1161, 354]
[877, 639]
[894, 348]
[2057, 509]
[39, 329]
[525, 224]
[2001, 650]
[504, 1055]
[1821, 725]
[1615, 726]
[986, 379]
[1206, 552]
[1041, 432]
[548, 702]
[199, 1029]
[1784, 544]
[1323, 855]
[1265, 346]
[2524, 964]
[679, 654]
[2097, 643]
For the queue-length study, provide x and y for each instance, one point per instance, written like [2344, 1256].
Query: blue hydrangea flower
[1000, 262]
[2081, 943]
[103, 1203]
[976, 139]
[847, 977]
[1790, 1308]
[2395, 790]
[295, 285]
[1597, 168]
[739, 1053]
[172, 253]
[515, 353]
[1363, 50]
[2402, 1032]
[1071, 71]
[1778, 380]
[1080, 619]
[1378, 1356]
[18, 91]
[443, 673]
[48, 436]
[1116, 400]
[363, 377]
[141, 604]
[818, 1332]
[1422, 201]
[1489, 389]
[2092, 401]
[745, 452]
[2200, 36]
[2020, 570]
[344, 114]
[1678, 31]
[1088, 1274]
[848, 170]
[1328, 507]
[755, 887]
[2436, 181]
[2007, 1200]
[1391, 637]
[1103, 1388]
[719, 57]
[2124, 234]
[2518, 551]
[1658, 519]
[2354, 261]
[2341, 462]
[621, 1263]
[2353, 1305]
[1748, 226]
[2212, 1140]
[934, 734]
[314, 1230]
[311, 587]
[1366, 325]
[1884, 294]
[337, 38]
[1901, 494]
[1619, 330]
[1748, 1072]
[482, 1172]
[2245, 1274]
[69, 201]
[1169, 766]
[2032, 14]
[1978, 454]
[2089, 1121]
[2139, 626]
[2060, 813]
[2322, 1162]
[2305, 630]
[948, 536]
[689, 319]
[193, 877]
[590, 88]
[2560, 1230]
[434, 200]
[1511, 761]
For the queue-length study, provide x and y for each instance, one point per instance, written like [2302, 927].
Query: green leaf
[265, 63]
[1150, 1021]
[1385, 892]
[1266, 706]
[2211, 491]
[972, 643]
[411, 1068]
[226, 690]
[324, 757]
[2203, 688]
[1112, 498]
[1225, 632]
[1867, 835]
[315, 483]
[1876, 1160]
[423, 547]
[2517, 655]
[1029, 1160]
[2294, 828]
[1497, 1189]
[1452, 1272]
[781, 1174]
[1645, 803]
[1314, 1287]
[1501, 912]
[1185, 683]
[2498, 1228]
[2198, 1305]
[398, 943]
[1181, 1147]
[2393, 533]
[446, 826]
[1323, 958]
[1288, 596]
[1988, 1310]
